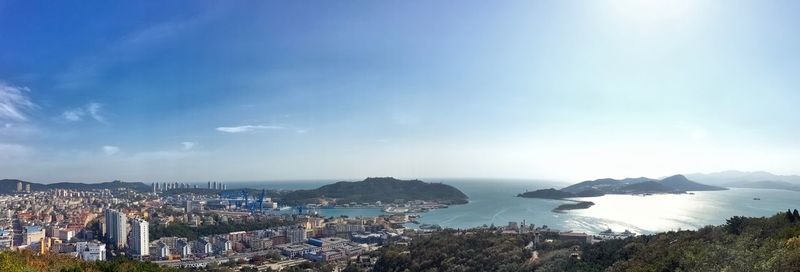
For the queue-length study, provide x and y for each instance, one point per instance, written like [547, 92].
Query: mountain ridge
[9, 186]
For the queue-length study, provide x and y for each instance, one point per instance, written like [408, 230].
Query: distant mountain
[733, 177]
[8, 186]
[599, 187]
[778, 185]
[680, 182]
[757, 179]
[385, 189]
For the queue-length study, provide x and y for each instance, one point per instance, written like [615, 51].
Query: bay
[494, 201]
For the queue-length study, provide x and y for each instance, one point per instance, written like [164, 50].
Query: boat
[395, 210]
[755, 198]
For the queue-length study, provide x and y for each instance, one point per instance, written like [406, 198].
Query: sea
[494, 202]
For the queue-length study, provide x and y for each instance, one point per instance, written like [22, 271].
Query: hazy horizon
[545, 90]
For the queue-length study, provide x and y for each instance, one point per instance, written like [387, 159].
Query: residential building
[6, 239]
[140, 234]
[91, 251]
[116, 228]
[32, 234]
[163, 250]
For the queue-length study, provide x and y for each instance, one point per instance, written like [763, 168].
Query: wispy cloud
[14, 102]
[188, 145]
[92, 110]
[248, 128]
[110, 150]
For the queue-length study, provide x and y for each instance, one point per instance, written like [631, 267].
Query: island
[573, 206]
[677, 184]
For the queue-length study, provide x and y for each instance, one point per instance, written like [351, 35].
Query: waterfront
[494, 202]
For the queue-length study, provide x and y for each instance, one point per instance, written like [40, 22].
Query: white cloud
[110, 150]
[14, 101]
[188, 145]
[247, 128]
[73, 115]
[93, 110]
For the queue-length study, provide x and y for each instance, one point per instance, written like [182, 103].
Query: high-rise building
[155, 187]
[224, 186]
[19, 186]
[140, 243]
[116, 228]
[28, 187]
[209, 185]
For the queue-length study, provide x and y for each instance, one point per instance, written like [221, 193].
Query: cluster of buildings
[166, 186]
[96, 225]
[61, 221]
[99, 224]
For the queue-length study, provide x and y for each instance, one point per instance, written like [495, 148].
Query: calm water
[494, 202]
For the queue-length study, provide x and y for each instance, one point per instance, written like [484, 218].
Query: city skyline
[285, 91]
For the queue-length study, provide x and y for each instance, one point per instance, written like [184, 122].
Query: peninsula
[384, 189]
[677, 184]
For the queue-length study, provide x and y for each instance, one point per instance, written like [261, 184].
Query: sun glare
[652, 11]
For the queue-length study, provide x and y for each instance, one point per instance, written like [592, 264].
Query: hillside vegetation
[742, 244]
[27, 261]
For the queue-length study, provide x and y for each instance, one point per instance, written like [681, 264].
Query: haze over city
[343, 90]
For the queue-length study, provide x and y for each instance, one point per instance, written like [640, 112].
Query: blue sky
[568, 90]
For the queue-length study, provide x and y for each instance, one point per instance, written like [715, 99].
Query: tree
[796, 215]
[735, 225]
[790, 216]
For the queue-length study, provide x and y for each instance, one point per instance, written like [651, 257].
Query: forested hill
[379, 189]
[8, 186]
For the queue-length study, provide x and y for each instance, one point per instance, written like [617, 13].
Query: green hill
[385, 189]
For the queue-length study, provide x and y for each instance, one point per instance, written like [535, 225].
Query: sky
[274, 90]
